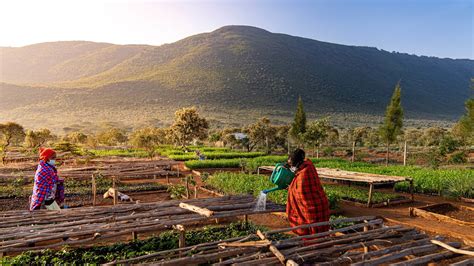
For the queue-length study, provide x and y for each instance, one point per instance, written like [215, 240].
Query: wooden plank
[193, 208]
[273, 249]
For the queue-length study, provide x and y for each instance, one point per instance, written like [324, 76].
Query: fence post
[353, 151]
[94, 190]
[114, 187]
[405, 154]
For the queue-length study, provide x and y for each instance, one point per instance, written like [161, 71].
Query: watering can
[281, 176]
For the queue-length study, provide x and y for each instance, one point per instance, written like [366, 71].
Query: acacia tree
[261, 133]
[317, 132]
[393, 123]
[76, 137]
[298, 127]
[188, 125]
[36, 139]
[112, 136]
[148, 138]
[10, 134]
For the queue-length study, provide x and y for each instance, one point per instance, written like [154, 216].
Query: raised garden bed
[446, 212]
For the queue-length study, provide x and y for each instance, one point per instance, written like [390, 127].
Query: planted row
[104, 254]
[216, 155]
[239, 183]
[444, 182]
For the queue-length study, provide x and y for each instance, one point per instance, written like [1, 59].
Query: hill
[237, 69]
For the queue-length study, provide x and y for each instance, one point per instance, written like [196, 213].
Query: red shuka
[307, 202]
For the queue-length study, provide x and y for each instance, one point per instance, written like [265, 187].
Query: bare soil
[453, 212]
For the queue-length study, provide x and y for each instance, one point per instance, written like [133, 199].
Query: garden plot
[23, 230]
[356, 241]
[446, 212]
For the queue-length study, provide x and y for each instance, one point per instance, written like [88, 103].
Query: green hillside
[233, 68]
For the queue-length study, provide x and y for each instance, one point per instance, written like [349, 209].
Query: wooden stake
[167, 178]
[405, 154]
[201, 211]
[134, 235]
[187, 187]
[94, 191]
[273, 249]
[195, 192]
[353, 151]
[369, 201]
[114, 187]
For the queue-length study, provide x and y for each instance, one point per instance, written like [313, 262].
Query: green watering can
[281, 176]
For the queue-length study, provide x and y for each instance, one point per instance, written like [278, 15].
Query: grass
[215, 155]
[120, 152]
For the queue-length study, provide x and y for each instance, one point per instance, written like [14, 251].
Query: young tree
[36, 139]
[432, 136]
[317, 132]
[298, 128]
[10, 134]
[112, 136]
[464, 128]
[76, 137]
[188, 125]
[393, 123]
[148, 138]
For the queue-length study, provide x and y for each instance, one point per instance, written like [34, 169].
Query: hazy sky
[442, 28]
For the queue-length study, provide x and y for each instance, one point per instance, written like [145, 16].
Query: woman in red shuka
[48, 187]
[307, 202]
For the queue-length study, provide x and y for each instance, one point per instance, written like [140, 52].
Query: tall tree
[393, 123]
[464, 128]
[298, 128]
[10, 134]
[188, 125]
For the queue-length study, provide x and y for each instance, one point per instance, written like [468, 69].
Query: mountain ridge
[238, 68]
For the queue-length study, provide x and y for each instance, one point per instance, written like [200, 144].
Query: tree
[76, 137]
[112, 136]
[188, 125]
[10, 134]
[148, 138]
[432, 136]
[36, 139]
[393, 123]
[414, 137]
[464, 128]
[317, 132]
[298, 128]
[261, 133]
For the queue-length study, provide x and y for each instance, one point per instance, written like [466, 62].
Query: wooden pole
[94, 191]
[193, 208]
[187, 187]
[273, 249]
[114, 187]
[195, 192]
[369, 201]
[134, 235]
[405, 154]
[167, 178]
[353, 151]
[411, 190]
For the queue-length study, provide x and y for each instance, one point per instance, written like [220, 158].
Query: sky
[441, 28]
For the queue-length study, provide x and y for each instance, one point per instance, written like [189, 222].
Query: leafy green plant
[176, 191]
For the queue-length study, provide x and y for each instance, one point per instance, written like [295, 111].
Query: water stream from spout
[261, 202]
